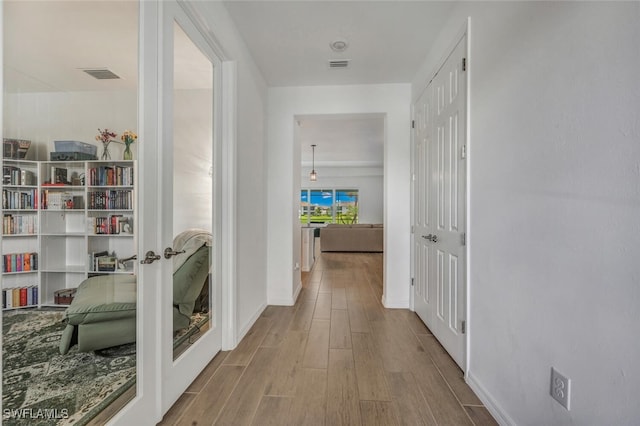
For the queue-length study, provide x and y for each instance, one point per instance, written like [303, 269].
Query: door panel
[190, 129]
[440, 188]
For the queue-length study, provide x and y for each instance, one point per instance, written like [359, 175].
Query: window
[328, 206]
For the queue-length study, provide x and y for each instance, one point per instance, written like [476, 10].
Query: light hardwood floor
[335, 358]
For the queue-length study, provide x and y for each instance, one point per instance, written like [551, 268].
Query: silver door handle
[431, 237]
[168, 252]
[150, 257]
[427, 237]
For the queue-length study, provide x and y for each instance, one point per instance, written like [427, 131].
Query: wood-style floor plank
[243, 401]
[247, 347]
[337, 357]
[339, 298]
[207, 373]
[323, 306]
[378, 413]
[272, 410]
[208, 404]
[304, 315]
[444, 405]
[281, 319]
[340, 335]
[450, 370]
[282, 381]
[412, 407]
[317, 352]
[480, 416]
[343, 402]
[310, 403]
[372, 384]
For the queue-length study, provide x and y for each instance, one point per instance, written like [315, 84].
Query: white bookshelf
[74, 219]
[20, 228]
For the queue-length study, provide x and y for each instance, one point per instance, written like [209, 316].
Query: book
[107, 263]
[23, 296]
[58, 175]
[15, 295]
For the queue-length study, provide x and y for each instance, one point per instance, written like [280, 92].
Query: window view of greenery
[328, 206]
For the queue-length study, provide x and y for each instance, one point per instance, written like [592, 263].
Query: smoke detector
[339, 45]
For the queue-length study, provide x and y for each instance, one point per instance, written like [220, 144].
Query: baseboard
[243, 332]
[395, 304]
[489, 401]
[286, 301]
[296, 293]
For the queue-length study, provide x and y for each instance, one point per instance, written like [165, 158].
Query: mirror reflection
[192, 192]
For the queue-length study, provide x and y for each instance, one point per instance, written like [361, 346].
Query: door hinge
[413, 124]
[413, 229]
[463, 152]
[464, 64]
[463, 326]
[411, 282]
[464, 238]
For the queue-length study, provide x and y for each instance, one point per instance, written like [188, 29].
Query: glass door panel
[70, 90]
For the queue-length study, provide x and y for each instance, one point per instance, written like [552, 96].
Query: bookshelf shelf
[52, 200]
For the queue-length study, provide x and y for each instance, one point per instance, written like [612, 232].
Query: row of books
[19, 296]
[12, 175]
[111, 176]
[19, 224]
[20, 262]
[103, 261]
[25, 199]
[114, 199]
[113, 224]
[57, 200]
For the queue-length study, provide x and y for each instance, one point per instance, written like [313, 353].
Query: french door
[188, 198]
[179, 168]
[439, 205]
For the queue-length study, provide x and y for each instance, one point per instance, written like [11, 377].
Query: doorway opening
[341, 180]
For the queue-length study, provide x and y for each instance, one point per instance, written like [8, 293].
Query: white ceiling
[289, 40]
[47, 43]
[388, 40]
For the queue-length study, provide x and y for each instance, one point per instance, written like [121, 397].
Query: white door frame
[147, 405]
[464, 31]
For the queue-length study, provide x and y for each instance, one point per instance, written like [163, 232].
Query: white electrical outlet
[560, 388]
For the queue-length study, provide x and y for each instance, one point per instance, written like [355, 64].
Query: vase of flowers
[128, 137]
[106, 137]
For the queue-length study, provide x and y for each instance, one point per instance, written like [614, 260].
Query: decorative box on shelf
[15, 148]
[64, 297]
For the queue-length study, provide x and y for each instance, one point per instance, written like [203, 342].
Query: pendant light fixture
[313, 176]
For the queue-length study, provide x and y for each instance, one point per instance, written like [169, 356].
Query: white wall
[192, 160]
[251, 268]
[283, 159]
[368, 181]
[45, 117]
[554, 237]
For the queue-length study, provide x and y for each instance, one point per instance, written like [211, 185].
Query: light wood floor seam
[337, 357]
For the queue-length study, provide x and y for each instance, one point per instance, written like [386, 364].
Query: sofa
[359, 237]
[103, 311]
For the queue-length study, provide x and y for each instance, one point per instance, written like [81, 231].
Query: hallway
[338, 358]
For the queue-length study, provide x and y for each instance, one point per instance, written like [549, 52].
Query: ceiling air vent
[101, 74]
[339, 63]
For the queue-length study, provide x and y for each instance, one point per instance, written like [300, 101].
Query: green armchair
[103, 312]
